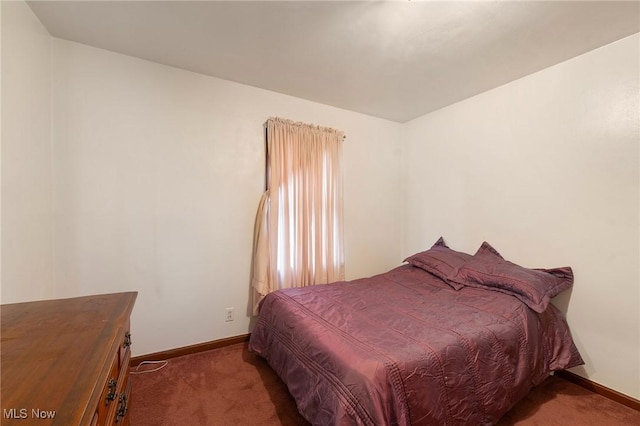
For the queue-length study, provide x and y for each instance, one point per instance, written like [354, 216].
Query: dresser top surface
[56, 354]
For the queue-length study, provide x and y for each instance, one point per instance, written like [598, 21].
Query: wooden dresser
[66, 362]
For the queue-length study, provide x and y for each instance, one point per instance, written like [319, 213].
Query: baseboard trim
[228, 341]
[599, 389]
[187, 350]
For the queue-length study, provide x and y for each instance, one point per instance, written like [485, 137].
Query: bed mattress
[404, 348]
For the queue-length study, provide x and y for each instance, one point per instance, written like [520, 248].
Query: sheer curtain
[298, 237]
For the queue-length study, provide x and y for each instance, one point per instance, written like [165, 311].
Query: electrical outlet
[228, 314]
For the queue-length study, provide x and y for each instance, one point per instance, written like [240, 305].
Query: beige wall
[158, 174]
[27, 256]
[546, 169]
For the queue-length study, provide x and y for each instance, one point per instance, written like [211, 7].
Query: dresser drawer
[109, 396]
[122, 411]
[124, 354]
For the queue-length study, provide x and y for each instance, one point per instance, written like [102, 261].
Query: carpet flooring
[232, 386]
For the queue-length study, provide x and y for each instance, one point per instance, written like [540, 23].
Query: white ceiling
[395, 60]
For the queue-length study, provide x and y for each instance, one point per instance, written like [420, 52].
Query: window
[299, 226]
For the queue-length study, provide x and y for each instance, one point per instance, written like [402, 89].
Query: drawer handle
[111, 395]
[122, 407]
[127, 340]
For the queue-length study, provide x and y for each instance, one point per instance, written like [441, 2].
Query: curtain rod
[303, 124]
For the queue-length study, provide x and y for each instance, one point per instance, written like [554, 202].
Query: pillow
[440, 261]
[535, 287]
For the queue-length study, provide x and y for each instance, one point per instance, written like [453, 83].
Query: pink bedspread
[403, 348]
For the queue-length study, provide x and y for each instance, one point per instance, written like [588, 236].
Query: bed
[431, 342]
